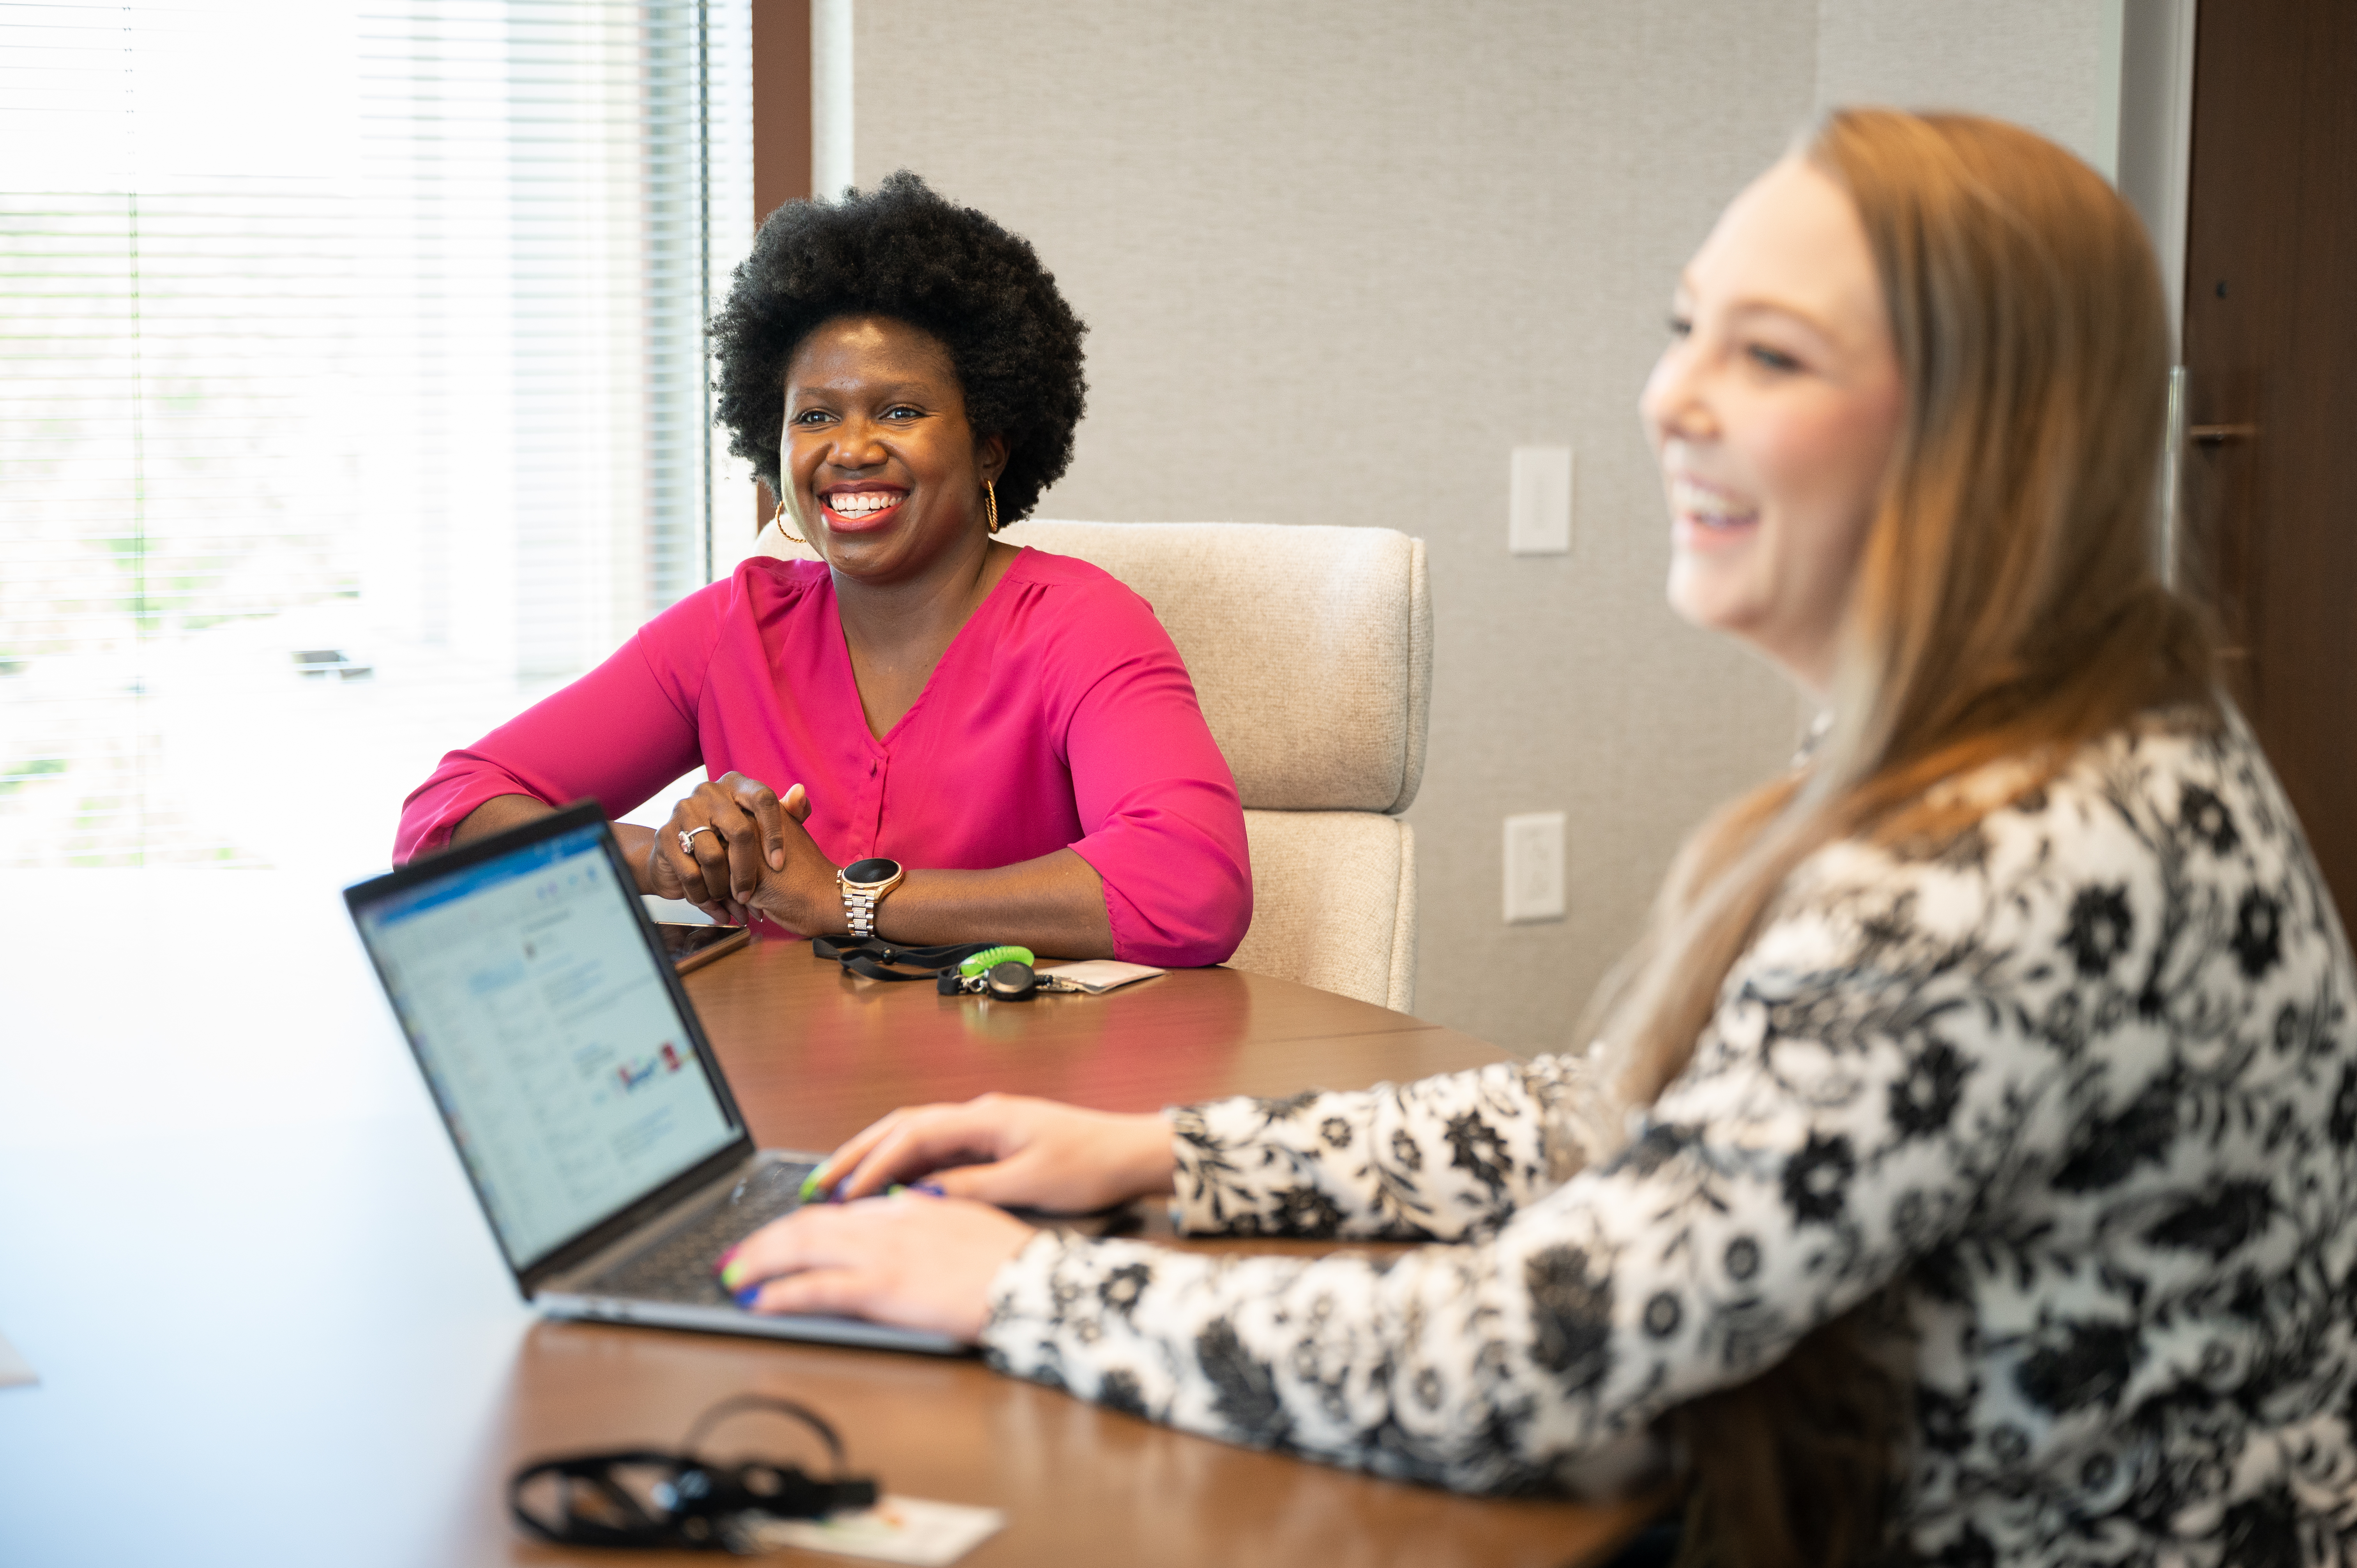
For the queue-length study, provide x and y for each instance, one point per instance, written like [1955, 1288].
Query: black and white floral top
[2078, 1090]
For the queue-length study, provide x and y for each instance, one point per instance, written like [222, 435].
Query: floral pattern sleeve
[1786, 1178]
[2072, 1099]
[1434, 1160]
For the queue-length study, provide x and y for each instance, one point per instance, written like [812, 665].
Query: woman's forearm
[1407, 1367]
[1437, 1159]
[497, 814]
[636, 841]
[1055, 905]
[504, 812]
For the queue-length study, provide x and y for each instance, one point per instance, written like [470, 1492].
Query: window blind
[352, 394]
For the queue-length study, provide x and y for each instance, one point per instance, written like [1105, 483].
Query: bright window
[352, 394]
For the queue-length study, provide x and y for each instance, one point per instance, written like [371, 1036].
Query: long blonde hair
[2005, 609]
[2005, 606]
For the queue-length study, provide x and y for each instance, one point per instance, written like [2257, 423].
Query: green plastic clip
[981, 961]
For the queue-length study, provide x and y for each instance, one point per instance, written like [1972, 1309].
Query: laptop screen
[570, 1083]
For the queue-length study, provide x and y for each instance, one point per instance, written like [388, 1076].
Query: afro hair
[902, 252]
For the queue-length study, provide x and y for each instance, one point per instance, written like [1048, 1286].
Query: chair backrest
[1334, 904]
[1310, 648]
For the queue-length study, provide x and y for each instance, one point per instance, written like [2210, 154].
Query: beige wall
[1339, 256]
[2052, 65]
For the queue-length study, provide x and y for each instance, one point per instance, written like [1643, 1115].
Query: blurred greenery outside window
[352, 395]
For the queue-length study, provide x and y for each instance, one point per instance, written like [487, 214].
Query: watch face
[866, 872]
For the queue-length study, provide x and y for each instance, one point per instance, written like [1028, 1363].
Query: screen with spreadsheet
[556, 1052]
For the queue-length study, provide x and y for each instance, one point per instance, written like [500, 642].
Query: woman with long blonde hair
[1966, 1165]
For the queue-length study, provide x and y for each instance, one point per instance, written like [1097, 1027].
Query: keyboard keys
[678, 1266]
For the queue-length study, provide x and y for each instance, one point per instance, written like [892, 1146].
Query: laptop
[586, 1104]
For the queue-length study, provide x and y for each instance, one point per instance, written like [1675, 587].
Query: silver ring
[687, 838]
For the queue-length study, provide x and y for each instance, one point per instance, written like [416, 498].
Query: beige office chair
[1311, 651]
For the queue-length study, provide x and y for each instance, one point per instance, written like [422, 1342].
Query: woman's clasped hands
[924, 1257]
[734, 847]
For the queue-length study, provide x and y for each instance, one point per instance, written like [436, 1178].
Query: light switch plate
[1538, 505]
[1533, 867]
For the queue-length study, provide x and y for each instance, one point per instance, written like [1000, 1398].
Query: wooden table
[272, 1326]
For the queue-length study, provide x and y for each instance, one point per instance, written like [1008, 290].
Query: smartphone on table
[692, 947]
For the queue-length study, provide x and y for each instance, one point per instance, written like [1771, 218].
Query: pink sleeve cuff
[436, 807]
[1178, 894]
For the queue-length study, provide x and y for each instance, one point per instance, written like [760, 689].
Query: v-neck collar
[850, 675]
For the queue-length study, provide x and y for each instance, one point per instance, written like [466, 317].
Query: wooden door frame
[2271, 357]
[781, 130]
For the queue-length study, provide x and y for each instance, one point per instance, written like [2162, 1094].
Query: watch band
[864, 884]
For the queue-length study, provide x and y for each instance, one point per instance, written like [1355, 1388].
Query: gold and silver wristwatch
[864, 884]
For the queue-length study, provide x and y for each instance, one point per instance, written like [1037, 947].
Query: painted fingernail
[720, 1263]
[895, 1190]
[930, 1188]
[835, 1193]
[732, 1274]
[814, 1182]
[748, 1296]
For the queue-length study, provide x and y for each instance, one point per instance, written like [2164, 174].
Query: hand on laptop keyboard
[681, 1266]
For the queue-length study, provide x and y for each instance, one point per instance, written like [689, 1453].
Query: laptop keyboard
[679, 1267]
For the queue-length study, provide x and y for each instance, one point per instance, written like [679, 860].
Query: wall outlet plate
[1535, 868]
[1538, 501]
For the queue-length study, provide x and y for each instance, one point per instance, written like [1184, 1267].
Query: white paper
[14, 1369]
[1099, 976]
[896, 1529]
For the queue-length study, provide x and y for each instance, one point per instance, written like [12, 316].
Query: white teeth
[862, 503]
[1712, 509]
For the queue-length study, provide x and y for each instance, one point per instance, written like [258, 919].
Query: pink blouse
[1060, 718]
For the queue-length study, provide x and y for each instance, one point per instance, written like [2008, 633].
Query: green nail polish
[731, 1274]
[895, 1190]
[814, 1184]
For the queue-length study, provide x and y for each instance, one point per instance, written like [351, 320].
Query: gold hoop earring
[990, 497]
[781, 521]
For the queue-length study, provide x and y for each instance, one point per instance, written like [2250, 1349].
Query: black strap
[871, 956]
[703, 1504]
[619, 1518]
[737, 1403]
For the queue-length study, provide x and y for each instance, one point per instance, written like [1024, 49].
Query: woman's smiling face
[1773, 413]
[885, 471]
